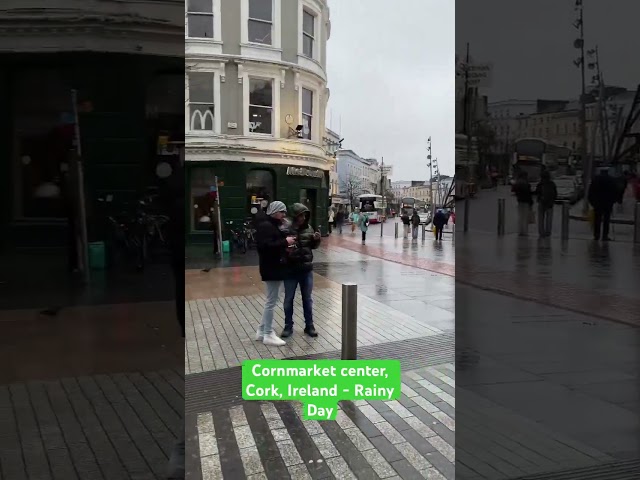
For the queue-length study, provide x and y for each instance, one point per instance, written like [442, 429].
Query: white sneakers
[273, 340]
[259, 334]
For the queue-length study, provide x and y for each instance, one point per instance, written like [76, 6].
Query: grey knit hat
[276, 207]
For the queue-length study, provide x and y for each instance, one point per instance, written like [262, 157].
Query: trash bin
[226, 246]
[97, 256]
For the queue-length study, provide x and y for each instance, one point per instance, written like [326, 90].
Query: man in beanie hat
[272, 246]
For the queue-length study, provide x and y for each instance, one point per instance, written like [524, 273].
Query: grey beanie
[276, 207]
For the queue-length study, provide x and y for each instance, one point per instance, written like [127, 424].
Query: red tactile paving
[409, 260]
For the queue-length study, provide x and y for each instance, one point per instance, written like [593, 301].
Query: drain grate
[624, 470]
[223, 388]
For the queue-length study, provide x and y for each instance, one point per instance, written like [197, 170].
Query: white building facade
[255, 100]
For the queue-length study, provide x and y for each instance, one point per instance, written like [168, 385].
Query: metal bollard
[501, 215]
[396, 230]
[349, 321]
[424, 232]
[636, 223]
[564, 221]
[466, 214]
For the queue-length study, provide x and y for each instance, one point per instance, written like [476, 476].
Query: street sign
[479, 74]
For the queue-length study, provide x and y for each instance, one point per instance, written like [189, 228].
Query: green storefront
[243, 188]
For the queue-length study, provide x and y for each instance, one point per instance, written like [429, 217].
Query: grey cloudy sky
[531, 44]
[391, 76]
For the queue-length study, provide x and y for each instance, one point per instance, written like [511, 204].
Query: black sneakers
[287, 332]
[311, 331]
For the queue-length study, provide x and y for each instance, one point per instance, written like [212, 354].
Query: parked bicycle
[238, 235]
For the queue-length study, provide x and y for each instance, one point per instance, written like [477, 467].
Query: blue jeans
[273, 292]
[305, 280]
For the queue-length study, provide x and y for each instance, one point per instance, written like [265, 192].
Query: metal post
[349, 321]
[396, 230]
[465, 220]
[424, 232]
[564, 225]
[636, 223]
[501, 215]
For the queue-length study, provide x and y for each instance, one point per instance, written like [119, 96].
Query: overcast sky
[391, 75]
[531, 44]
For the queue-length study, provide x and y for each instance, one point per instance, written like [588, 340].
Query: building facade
[332, 141]
[256, 93]
[358, 175]
[116, 69]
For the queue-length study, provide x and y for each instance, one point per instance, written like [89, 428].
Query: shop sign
[304, 172]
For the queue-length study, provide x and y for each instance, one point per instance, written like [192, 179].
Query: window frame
[249, 104]
[276, 26]
[314, 16]
[315, 89]
[216, 75]
[264, 73]
[260, 20]
[312, 120]
[217, 22]
[309, 7]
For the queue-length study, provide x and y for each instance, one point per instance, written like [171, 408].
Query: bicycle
[238, 236]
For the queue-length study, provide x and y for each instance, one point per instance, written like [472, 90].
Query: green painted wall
[233, 195]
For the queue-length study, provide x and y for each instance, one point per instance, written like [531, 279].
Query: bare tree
[352, 188]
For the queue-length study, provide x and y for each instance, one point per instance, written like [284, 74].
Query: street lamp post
[384, 207]
[587, 163]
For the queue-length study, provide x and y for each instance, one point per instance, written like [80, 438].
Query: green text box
[321, 384]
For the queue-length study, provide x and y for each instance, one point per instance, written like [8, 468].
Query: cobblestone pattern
[405, 439]
[221, 331]
[104, 427]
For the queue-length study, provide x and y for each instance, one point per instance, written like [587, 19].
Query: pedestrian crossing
[409, 438]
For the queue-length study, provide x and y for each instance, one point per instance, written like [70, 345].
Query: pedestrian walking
[603, 194]
[439, 221]
[331, 220]
[363, 223]
[415, 223]
[340, 220]
[406, 224]
[547, 193]
[272, 249]
[299, 269]
[355, 220]
[524, 197]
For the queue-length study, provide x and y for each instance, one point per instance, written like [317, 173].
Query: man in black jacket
[603, 194]
[547, 192]
[300, 269]
[272, 246]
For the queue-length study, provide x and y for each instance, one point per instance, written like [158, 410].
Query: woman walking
[355, 220]
[272, 246]
[363, 222]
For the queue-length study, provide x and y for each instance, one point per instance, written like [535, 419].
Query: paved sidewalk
[102, 427]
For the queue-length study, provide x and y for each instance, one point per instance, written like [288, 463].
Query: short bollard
[466, 214]
[349, 321]
[501, 216]
[396, 230]
[636, 223]
[564, 221]
[424, 232]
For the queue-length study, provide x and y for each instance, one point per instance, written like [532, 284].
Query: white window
[200, 101]
[261, 106]
[260, 22]
[308, 33]
[200, 19]
[307, 113]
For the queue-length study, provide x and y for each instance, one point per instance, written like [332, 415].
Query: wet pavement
[552, 339]
[401, 305]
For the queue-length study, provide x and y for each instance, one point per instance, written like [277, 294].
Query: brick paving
[405, 439]
[111, 427]
[221, 331]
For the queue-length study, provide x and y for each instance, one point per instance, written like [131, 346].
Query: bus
[407, 204]
[372, 206]
[532, 155]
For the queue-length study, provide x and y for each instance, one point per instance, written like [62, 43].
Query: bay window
[308, 33]
[260, 22]
[261, 106]
[307, 113]
[200, 19]
[200, 101]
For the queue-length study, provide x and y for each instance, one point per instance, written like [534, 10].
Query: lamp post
[587, 164]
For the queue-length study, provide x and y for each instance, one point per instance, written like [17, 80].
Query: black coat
[603, 193]
[272, 245]
[523, 192]
[440, 219]
[299, 258]
[415, 220]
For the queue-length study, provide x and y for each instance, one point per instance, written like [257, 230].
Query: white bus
[372, 206]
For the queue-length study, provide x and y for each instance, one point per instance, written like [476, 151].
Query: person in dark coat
[547, 193]
[415, 223]
[603, 194]
[299, 268]
[406, 224]
[272, 243]
[439, 221]
[340, 220]
[524, 196]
